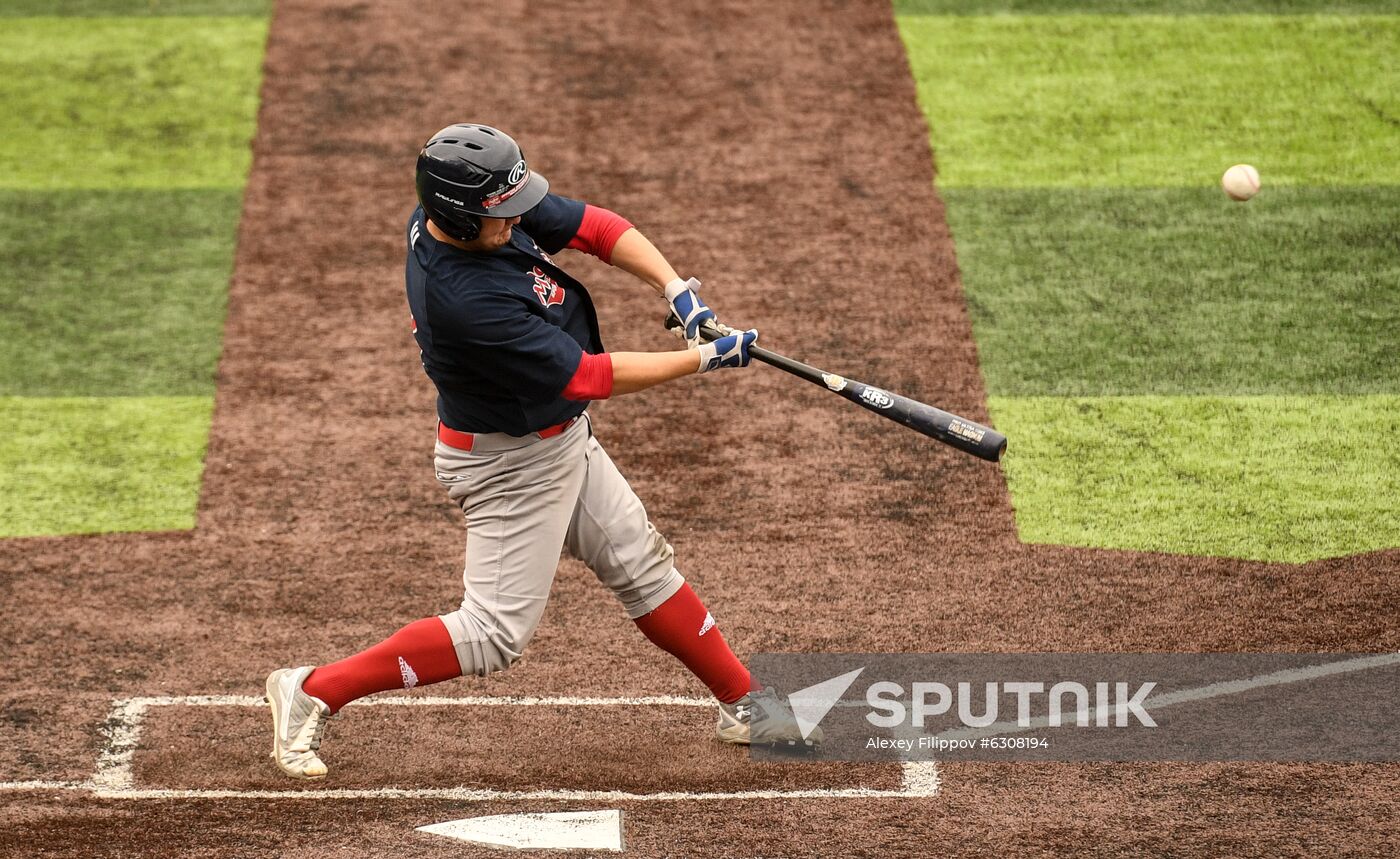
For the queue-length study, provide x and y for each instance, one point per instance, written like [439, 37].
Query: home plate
[564, 830]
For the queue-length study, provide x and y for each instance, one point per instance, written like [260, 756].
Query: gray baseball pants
[524, 498]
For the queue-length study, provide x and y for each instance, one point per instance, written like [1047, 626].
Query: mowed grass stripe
[1079, 157]
[1145, 7]
[147, 8]
[124, 147]
[121, 103]
[1088, 292]
[1287, 479]
[1158, 101]
[90, 465]
[113, 293]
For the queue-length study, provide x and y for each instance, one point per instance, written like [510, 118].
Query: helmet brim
[523, 201]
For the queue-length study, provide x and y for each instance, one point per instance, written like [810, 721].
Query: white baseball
[1241, 182]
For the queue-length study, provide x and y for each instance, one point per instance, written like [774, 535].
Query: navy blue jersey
[502, 332]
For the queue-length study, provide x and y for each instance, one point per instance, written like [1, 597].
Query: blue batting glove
[729, 351]
[689, 308]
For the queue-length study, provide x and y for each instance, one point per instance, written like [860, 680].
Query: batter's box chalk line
[112, 778]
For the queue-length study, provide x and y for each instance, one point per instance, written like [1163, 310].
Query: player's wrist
[731, 350]
[674, 288]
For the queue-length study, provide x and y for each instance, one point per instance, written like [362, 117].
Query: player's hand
[689, 308]
[731, 350]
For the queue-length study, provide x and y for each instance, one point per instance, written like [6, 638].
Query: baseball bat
[954, 431]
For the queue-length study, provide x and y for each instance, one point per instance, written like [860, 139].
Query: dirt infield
[776, 151]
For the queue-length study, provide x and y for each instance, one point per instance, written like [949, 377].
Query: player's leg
[518, 501]
[517, 498]
[302, 699]
[419, 654]
[610, 533]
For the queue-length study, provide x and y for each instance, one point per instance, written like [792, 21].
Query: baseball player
[511, 341]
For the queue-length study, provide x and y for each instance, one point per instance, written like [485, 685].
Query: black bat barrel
[961, 433]
[954, 431]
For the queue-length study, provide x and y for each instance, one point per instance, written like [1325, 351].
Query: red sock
[683, 628]
[417, 655]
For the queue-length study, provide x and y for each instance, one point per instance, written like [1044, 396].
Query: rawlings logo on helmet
[518, 172]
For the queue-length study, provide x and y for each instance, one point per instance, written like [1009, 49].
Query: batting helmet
[467, 172]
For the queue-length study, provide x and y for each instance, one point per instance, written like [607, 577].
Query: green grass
[1144, 101]
[1269, 478]
[105, 8]
[1091, 292]
[88, 465]
[113, 293]
[1145, 7]
[121, 103]
[1177, 372]
[124, 147]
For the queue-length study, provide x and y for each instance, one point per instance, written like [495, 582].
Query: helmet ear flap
[463, 228]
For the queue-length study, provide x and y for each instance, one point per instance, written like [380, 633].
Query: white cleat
[298, 723]
[761, 718]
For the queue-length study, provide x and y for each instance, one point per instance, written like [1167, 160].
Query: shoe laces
[316, 723]
[319, 719]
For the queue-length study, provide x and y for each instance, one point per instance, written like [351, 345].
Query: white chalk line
[1183, 696]
[466, 794]
[1275, 678]
[113, 778]
[45, 785]
[426, 701]
[123, 730]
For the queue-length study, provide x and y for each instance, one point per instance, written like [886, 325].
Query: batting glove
[689, 308]
[729, 351]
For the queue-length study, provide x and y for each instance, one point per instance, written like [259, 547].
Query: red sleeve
[593, 380]
[598, 232]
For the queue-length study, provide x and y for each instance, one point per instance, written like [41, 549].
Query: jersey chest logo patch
[549, 291]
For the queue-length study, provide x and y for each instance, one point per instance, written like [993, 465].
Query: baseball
[1241, 182]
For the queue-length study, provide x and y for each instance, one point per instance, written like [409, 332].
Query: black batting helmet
[467, 172]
